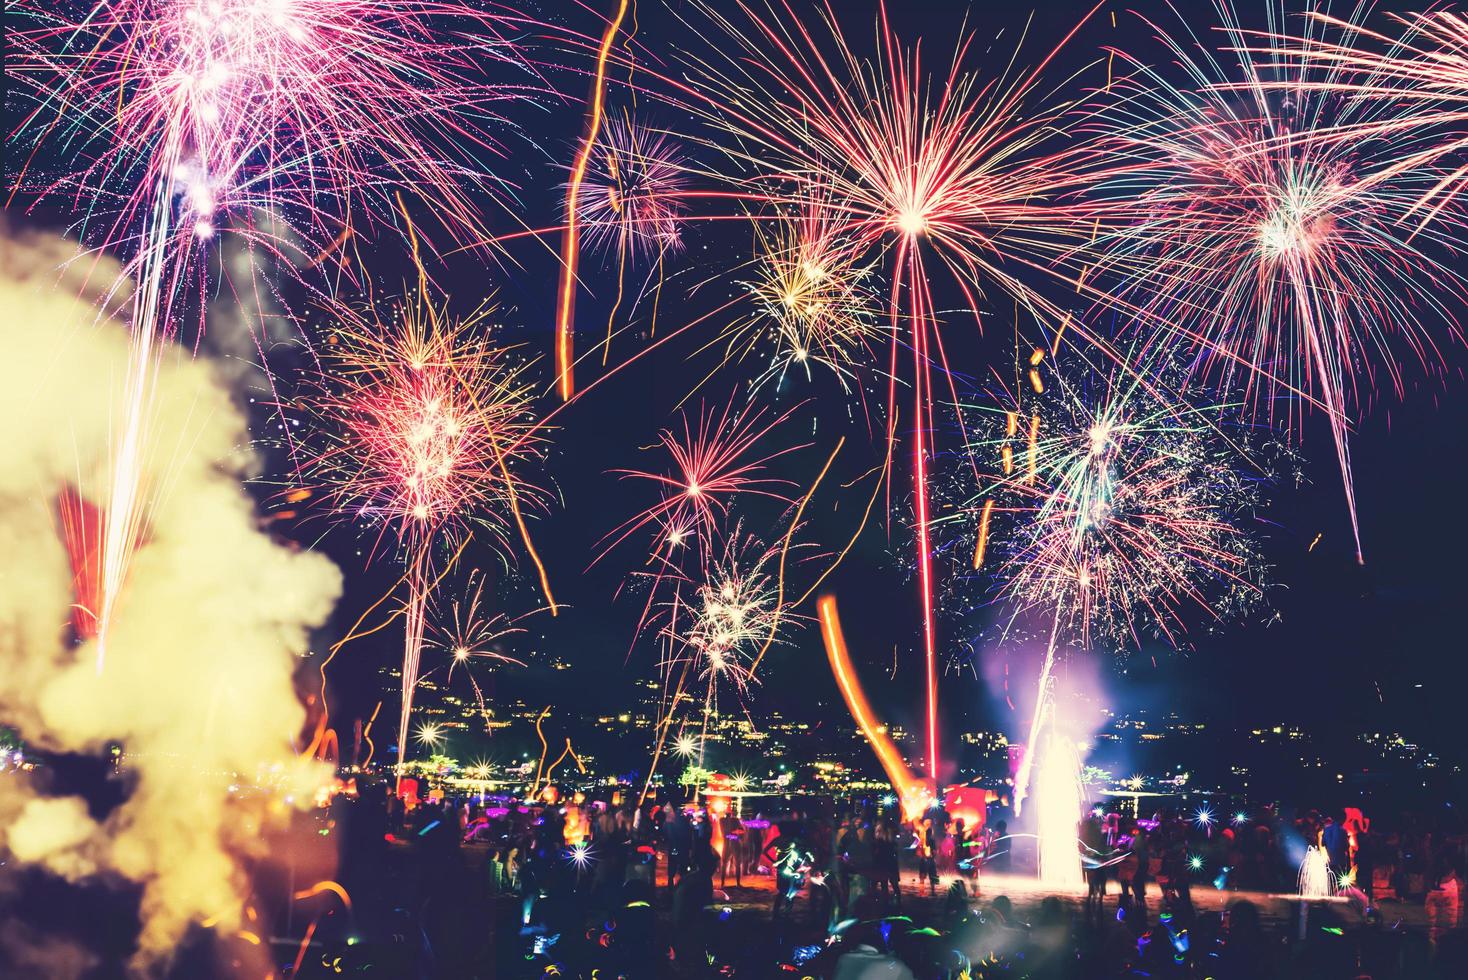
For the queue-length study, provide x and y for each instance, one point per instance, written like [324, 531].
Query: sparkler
[426, 426]
[1265, 245]
[175, 116]
[430, 735]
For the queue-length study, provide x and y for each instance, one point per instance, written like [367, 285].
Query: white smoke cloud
[197, 685]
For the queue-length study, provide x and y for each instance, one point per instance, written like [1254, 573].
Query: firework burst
[1266, 248]
[1126, 515]
[171, 116]
[918, 167]
[190, 111]
[1117, 512]
[468, 633]
[427, 426]
[716, 457]
[733, 613]
[630, 202]
[426, 420]
[813, 303]
[1417, 83]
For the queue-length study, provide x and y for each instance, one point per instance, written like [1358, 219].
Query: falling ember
[983, 536]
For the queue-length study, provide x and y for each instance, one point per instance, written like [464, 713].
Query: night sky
[1336, 646]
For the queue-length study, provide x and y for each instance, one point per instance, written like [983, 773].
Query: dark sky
[1359, 647]
[1351, 647]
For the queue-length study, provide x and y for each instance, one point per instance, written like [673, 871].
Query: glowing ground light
[1240, 819]
[1203, 817]
[1195, 862]
[1315, 879]
[685, 746]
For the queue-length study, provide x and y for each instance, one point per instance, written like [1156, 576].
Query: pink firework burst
[1264, 247]
[630, 200]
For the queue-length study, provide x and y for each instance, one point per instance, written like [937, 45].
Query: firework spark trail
[1130, 522]
[1419, 80]
[425, 423]
[566, 300]
[913, 794]
[1265, 244]
[911, 164]
[202, 111]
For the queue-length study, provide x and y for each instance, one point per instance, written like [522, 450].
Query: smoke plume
[197, 683]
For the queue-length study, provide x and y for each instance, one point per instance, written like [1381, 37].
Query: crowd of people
[576, 887]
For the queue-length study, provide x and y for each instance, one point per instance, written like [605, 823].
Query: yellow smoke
[197, 686]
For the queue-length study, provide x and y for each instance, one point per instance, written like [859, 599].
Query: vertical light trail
[566, 305]
[124, 509]
[415, 615]
[917, 280]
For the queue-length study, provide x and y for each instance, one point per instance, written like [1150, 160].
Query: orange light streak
[1034, 450]
[569, 241]
[983, 542]
[911, 791]
[322, 887]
